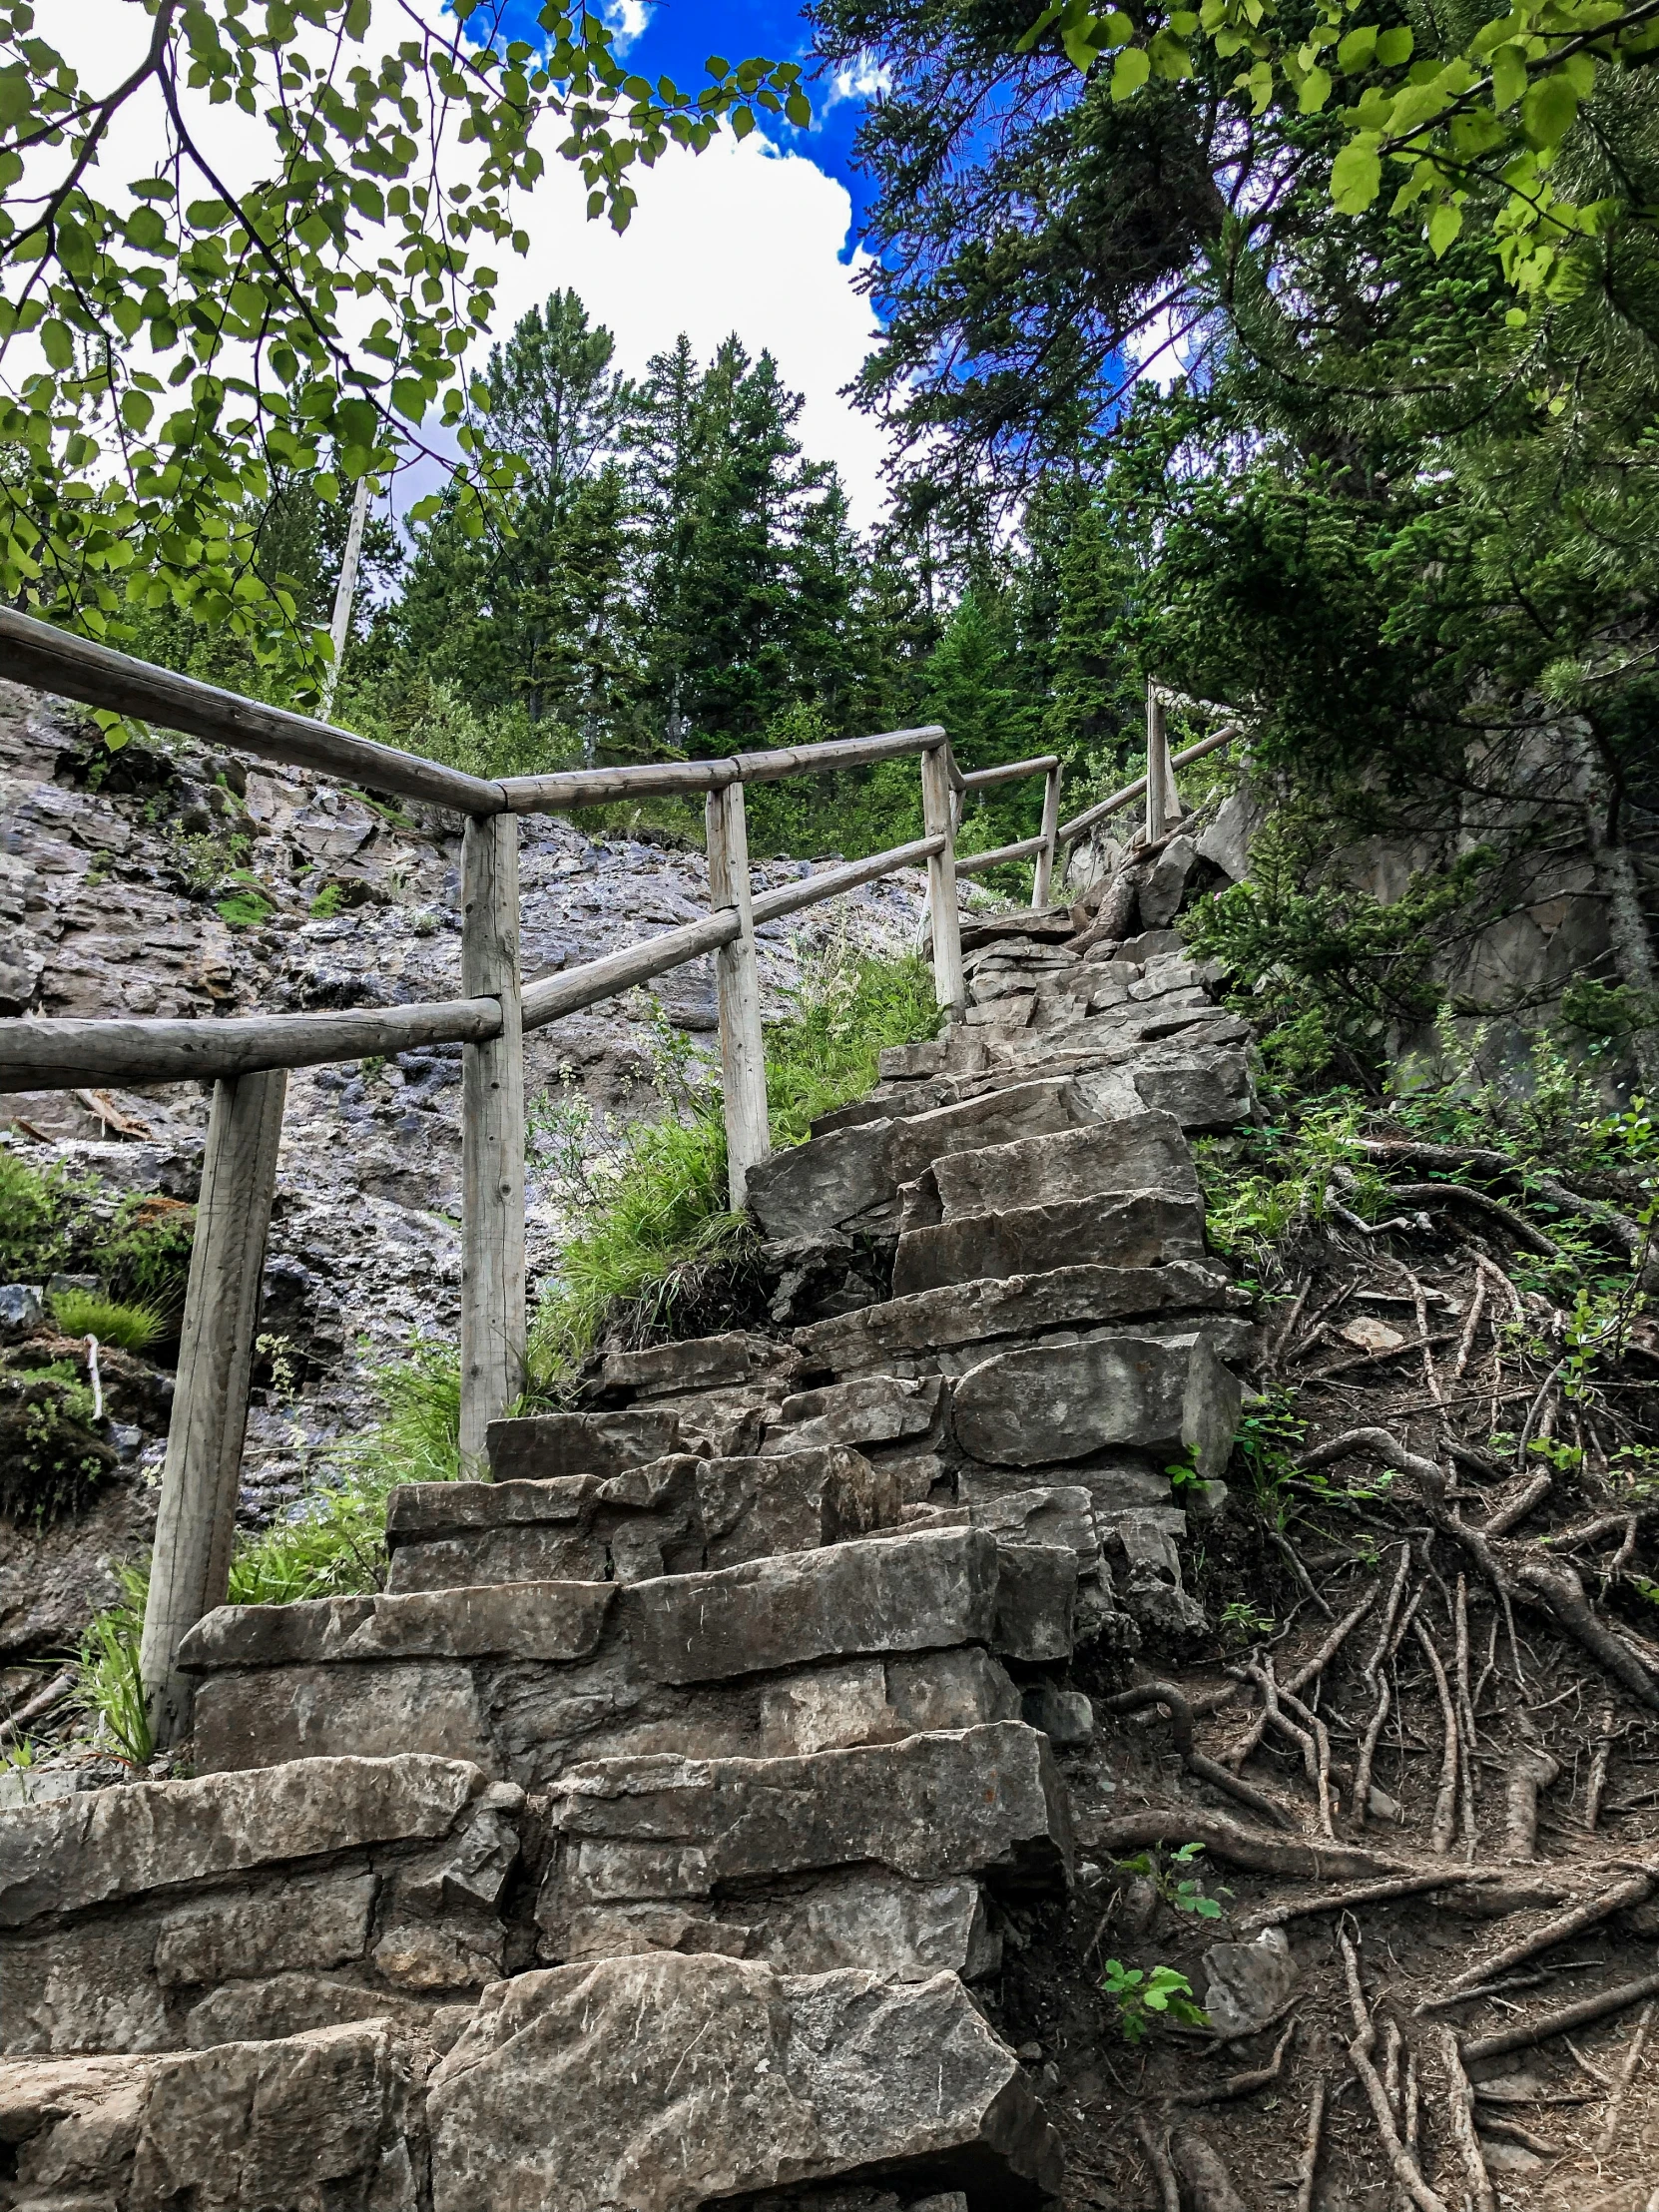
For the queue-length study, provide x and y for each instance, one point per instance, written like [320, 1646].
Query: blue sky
[679, 35]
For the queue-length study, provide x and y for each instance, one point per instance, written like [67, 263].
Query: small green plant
[246, 906]
[111, 1688]
[1175, 1881]
[1243, 1621]
[1143, 1997]
[132, 1327]
[20, 1755]
[327, 903]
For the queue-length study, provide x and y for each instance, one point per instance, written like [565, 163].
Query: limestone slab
[1055, 1402]
[809, 1189]
[108, 1843]
[698, 1364]
[554, 1621]
[979, 1310]
[664, 2082]
[893, 1593]
[1140, 1152]
[552, 1444]
[954, 1801]
[311, 2120]
[873, 1410]
[1142, 1231]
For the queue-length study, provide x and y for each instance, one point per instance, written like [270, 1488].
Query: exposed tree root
[1582, 2014]
[1241, 1748]
[1614, 1898]
[1626, 2074]
[1307, 2172]
[1244, 1846]
[1152, 2141]
[1460, 2112]
[1500, 1166]
[1209, 2184]
[1531, 1771]
[1240, 2085]
[1402, 2164]
[1180, 1712]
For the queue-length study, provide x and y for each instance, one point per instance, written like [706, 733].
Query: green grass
[131, 1327]
[649, 1204]
[110, 1690]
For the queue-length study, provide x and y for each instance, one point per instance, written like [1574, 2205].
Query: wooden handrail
[54, 660]
[599, 787]
[1070, 832]
[789, 899]
[567, 993]
[47, 1055]
[975, 863]
[976, 778]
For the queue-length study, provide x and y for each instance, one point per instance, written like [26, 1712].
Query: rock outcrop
[651, 1841]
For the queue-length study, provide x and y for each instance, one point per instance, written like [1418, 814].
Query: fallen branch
[1618, 1226]
[1582, 2014]
[1621, 2087]
[1241, 1747]
[1240, 2085]
[1209, 2183]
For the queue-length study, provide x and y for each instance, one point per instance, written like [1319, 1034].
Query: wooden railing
[246, 1058]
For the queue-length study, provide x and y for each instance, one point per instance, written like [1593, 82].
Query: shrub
[35, 1211]
[50, 1460]
[145, 1259]
[132, 1327]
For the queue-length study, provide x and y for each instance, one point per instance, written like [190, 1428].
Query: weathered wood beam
[1072, 831]
[789, 899]
[939, 819]
[492, 1136]
[743, 1072]
[54, 660]
[977, 778]
[47, 1055]
[975, 863]
[190, 1568]
[553, 996]
[1043, 881]
[599, 787]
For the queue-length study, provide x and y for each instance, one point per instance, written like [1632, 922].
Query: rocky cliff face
[171, 879]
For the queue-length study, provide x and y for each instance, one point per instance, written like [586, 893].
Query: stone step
[325, 2118]
[661, 2082]
[1140, 1231]
[885, 1844]
[165, 1916]
[524, 1677]
[1065, 1404]
[675, 1516]
[900, 1335]
[664, 2084]
[853, 1175]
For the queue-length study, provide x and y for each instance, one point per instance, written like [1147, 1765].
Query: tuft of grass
[111, 1689]
[131, 1327]
[827, 1051]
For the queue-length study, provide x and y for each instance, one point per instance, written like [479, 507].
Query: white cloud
[864, 79]
[741, 237]
[628, 19]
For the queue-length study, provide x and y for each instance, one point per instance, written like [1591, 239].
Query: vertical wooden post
[1157, 767]
[190, 1569]
[492, 1135]
[1043, 883]
[939, 821]
[742, 1073]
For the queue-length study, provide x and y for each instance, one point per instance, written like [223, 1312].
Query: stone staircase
[647, 1844]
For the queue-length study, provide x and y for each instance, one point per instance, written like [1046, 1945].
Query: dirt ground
[1514, 1786]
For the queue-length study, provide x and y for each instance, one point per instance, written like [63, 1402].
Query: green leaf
[137, 407]
[1357, 176]
[408, 396]
[717, 66]
[16, 97]
[1443, 226]
[799, 109]
[1550, 111]
[1358, 50]
[1315, 91]
[743, 122]
[57, 343]
[1130, 70]
[1395, 47]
